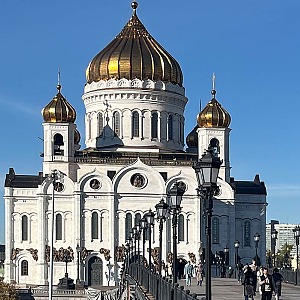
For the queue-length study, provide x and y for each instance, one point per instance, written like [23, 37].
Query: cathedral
[135, 150]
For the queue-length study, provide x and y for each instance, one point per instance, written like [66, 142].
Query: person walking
[277, 279]
[267, 285]
[249, 283]
[199, 273]
[188, 272]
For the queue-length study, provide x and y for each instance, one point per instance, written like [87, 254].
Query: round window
[95, 184]
[138, 180]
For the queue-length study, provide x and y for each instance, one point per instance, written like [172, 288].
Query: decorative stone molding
[155, 254]
[170, 257]
[136, 84]
[60, 255]
[15, 252]
[34, 253]
[120, 253]
[106, 253]
[85, 253]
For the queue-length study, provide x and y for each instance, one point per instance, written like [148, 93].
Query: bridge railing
[289, 276]
[157, 286]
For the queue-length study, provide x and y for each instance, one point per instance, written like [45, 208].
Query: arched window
[215, 230]
[58, 144]
[24, 228]
[24, 268]
[94, 226]
[216, 145]
[170, 128]
[247, 234]
[128, 225]
[137, 219]
[89, 133]
[116, 123]
[135, 124]
[100, 124]
[58, 227]
[181, 130]
[180, 228]
[154, 124]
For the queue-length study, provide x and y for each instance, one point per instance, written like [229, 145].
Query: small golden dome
[76, 137]
[134, 53]
[59, 110]
[192, 138]
[213, 114]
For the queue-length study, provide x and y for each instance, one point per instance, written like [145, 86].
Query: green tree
[283, 255]
[8, 291]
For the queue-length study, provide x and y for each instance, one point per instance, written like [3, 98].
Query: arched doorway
[95, 271]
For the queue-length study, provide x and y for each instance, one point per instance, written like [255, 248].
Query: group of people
[255, 278]
[193, 271]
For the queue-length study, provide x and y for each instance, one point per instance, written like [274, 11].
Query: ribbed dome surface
[213, 114]
[76, 137]
[134, 53]
[59, 110]
[192, 138]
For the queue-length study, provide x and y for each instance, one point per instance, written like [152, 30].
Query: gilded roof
[134, 53]
[213, 114]
[59, 110]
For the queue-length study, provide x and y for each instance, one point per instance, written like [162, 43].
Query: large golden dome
[59, 110]
[213, 114]
[134, 53]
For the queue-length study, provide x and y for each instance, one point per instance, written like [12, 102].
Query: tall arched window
[137, 219]
[215, 231]
[170, 128]
[181, 131]
[95, 226]
[58, 144]
[154, 125]
[100, 124]
[180, 228]
[135, 124]
[216, 145]
[128, 225]
[58, 227]
[89, 127]
[24, 268]
[247, 234]
[116, 123]
[24, 228]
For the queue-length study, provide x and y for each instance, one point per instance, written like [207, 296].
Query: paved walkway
[225, 288]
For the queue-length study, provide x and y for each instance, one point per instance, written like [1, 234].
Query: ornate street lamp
[236, 246]
[274, 236]
[226, 251]
[175, 195]
[149, 216]
[207, 170]
[296, 231]
[256, 241]
[161, 212]
[143, 223]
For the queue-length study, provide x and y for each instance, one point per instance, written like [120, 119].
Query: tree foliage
[7, 291]
[283, 255]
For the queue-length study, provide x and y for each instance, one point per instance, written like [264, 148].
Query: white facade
[100, 192]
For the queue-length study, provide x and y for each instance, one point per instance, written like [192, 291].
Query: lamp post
[207, 170]
[236, 246]
[226, 251]
[274, 236]
[134, 237]
[175, 195]
[296, 231]
[149, 216]
[55, 177]
[256, 241]
[161, 211]
[144, 225]
[78, 248]
[138, 237]
[127, 247]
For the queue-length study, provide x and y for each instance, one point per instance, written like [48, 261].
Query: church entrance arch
[95, 271]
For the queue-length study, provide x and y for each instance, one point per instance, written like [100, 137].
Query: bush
[7, 291]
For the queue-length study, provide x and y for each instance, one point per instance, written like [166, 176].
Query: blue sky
[252, 46]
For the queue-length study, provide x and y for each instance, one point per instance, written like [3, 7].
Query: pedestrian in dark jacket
[267, 285]
[277, 279]
[249, 283]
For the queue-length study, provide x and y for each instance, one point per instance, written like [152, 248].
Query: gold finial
[58, 81]
[213, 92]
[134, 6]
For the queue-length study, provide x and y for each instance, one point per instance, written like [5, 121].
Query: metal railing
[160, 288]
[289, 276]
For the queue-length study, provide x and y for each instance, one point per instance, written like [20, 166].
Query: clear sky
[252, 46]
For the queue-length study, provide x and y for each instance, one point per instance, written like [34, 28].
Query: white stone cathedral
[134, 128]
